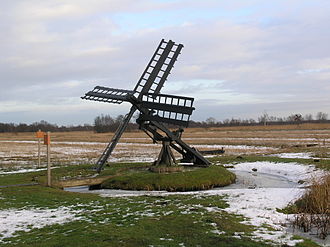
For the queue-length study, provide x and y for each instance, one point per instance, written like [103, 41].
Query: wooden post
[39, 135]
[39, 153]
[49, 178]
[47, 142]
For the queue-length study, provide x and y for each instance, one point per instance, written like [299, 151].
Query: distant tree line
[264, 119]
[42, 125]
[106, 123]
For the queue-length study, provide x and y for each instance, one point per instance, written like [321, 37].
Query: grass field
[142, 221]
[41, 216]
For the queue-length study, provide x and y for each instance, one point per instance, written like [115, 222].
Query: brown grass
[305, 126]
[280, 139]
[319, 132]
[314, 207]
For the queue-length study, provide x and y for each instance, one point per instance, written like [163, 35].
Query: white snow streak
[294, 155]
[14, 220]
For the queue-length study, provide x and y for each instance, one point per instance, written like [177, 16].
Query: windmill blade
[112, 144]
[172, 109]
[109, 95]
[158, 69]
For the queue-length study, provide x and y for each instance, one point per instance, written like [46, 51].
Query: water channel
[244, 180]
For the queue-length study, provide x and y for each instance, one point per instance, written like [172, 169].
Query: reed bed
[313, 208]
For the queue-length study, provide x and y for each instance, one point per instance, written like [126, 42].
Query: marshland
[268, 201]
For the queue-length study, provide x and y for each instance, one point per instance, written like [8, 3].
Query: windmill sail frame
[155, 109]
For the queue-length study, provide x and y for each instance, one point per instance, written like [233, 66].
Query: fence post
[39, 160]
[47, 142]
[39, 135]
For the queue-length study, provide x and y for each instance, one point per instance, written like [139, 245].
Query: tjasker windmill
[155, 109]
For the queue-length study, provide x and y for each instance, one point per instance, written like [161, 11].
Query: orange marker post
[47, 142]
[39, 135]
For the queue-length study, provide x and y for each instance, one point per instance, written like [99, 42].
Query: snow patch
[14, 220]
[24, 171]
[291, 171]
[294, 155]
[244, 147]
[259, 207]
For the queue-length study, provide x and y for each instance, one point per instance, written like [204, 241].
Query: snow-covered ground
[14, 220]
[257, 196]
[294, 155]
[22, 171]
[293, 172]
[24, 153]
[259, 207]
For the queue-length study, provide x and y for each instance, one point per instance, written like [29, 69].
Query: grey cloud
[205, 109]
[42, 54]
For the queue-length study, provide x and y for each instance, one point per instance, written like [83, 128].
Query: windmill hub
[156, 110]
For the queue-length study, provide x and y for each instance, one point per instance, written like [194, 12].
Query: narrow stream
[244, 180]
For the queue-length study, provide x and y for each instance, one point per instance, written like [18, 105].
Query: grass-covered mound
[188, 180]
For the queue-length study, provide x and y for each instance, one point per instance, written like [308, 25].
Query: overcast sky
[240, 58]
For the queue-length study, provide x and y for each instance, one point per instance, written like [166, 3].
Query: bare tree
[211, 121]
[308, 117]
[321, 116]
[226, 121]
[263, 118]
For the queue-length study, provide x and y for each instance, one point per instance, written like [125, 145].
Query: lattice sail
[158, 69]
[167, 108]
[109, 95]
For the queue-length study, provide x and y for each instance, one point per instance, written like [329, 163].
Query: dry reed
[313, 208]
